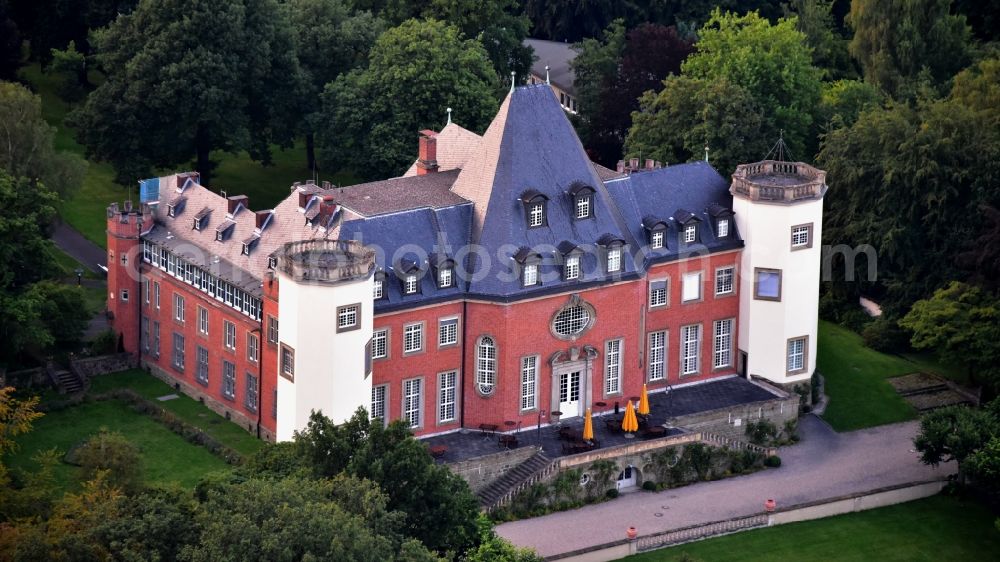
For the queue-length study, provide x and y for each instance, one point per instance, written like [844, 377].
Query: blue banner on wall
[149, 190]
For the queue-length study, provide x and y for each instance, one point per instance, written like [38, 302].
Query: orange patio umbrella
[630, 424]
[644, 402]
[588, 427]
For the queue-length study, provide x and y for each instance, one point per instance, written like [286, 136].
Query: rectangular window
[378, 288]
[145, 334]
[252, 345]
[572, 268]
[447, 331]
[690, 233]
[657, 355]
[658, 293]
[690, 349]
[722, 227]
[767, 284]
[691, 287]
[201, 374]
[250, 396]
[613, 367]
[379, 400]
[530, 275]
[203, 320]
[178, 355]
[348, 317]
[723, 355]
[145, 291]
[447, 383]
[410, 287]
[156, 294]
[413, 338]
[802, 236]
[583, 207]
[411, 402]
[445, 278]
[614, 259]
[228, 379]
[656, 239]
[178, 308]
[380, 343]
[724, 277]
[536, 215]
[529, 382]
[156, 339]
[796, 362]
[230, 334]
[272, 330]
[288, 362]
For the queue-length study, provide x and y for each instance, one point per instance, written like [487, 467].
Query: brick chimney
[233, 203]
[260, 218]
[427, 159]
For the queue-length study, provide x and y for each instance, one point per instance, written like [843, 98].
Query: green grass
[237, 174]
[927, 362]
[167, 457]
[931, 529]
[186, 408]
[855, 378]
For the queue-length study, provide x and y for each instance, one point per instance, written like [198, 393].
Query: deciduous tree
[956, 433]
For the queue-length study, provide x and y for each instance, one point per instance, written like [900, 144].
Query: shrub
[611, 493]
[761, 432]
[699, 458]
[104, 343]
[885, 335]
[773, 461]
[112, 452]
[649, 485]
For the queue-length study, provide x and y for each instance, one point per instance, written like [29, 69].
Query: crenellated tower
[779, 211]
[124, 226]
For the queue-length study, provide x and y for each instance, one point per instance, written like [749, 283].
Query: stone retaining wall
[731, 422]
[103, 364]
[482, 471]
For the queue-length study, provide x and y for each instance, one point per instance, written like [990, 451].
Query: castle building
[502, 276]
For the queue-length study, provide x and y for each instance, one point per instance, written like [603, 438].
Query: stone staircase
[66, 382]
[519, 478]
[927, 392]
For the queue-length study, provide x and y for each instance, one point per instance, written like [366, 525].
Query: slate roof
[474, 214]
[557, 56]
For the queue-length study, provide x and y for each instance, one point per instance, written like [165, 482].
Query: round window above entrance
[573, 319]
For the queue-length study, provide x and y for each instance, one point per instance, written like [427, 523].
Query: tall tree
[956, 433]
[612, 75]
[188, 77]
[417, 70]
[896, 41]
[329, 41]
[773, 63]
[10, 43]
[844, 100]
[814, 18]
[26, 143]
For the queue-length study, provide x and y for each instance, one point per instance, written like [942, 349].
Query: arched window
[486, 366]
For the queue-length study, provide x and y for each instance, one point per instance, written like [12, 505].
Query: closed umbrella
[630, 424]
[588, 427]
[644, 402]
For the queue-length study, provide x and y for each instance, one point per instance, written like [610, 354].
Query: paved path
[824, 464]
[84, 251]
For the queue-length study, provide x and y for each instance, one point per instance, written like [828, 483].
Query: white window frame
[253, 347]
[447, 331]
[572, 267]
[722, 356]
[380, 403]
[179, 307]
[659, 297]
[583, 207]
[411, 284]
[413, 398]
[201, 366]
[721, 274]
[690, 233]
[413, 338]
[722, 228]
[656, 239]
[613, 366]
[228, 380]
[380, 343]
[229, 335]
[657, 356]
[529, 274]
[614, 259]
[378, 289]
[691, 279]
[690, 349]
[447, 397]
[796, 354]
[202, 320]
[156, 294]
[348, 317]
[536, 215]
[486, 365]
[177, 357]
[802, 236]
[529, 383]
[445, 277]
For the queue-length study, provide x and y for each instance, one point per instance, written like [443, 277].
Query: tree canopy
[371, 117]
[173, 91]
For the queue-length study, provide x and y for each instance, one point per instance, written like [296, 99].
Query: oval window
[572, 320]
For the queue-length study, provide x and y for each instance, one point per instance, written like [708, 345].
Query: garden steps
[926, 392]
[515, 480]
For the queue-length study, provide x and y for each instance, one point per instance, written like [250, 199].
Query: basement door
[569, 394]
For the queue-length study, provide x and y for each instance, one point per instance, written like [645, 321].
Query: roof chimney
[650, 163]
[260, 219]
[427, 159]
[234, 203]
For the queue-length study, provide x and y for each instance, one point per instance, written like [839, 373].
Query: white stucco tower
[779, 213]
[326, 308]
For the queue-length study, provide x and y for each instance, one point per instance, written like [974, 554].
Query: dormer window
[528, 260]
[272, 262]
[201, 219]
[378, 288]
[722, 228]
[723, 220]
[219, 236]
[446, 277]
[408, 272]
[534, 208]
[571, 269]
[656, 239]
[410, 284]
[171, 212]
[656, 230]
[224, 231]
[530, 275]
[690, 233]
[249, 244]
[614, 259]
[583, 200]
[612, 252]
[246, 249]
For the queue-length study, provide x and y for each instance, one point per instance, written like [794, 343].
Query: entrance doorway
[627, 478]
[743, 364]
[569, 394]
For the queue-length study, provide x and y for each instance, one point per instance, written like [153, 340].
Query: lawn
[167, 457]
[855, 378]
[236, 174]
[931, 529]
